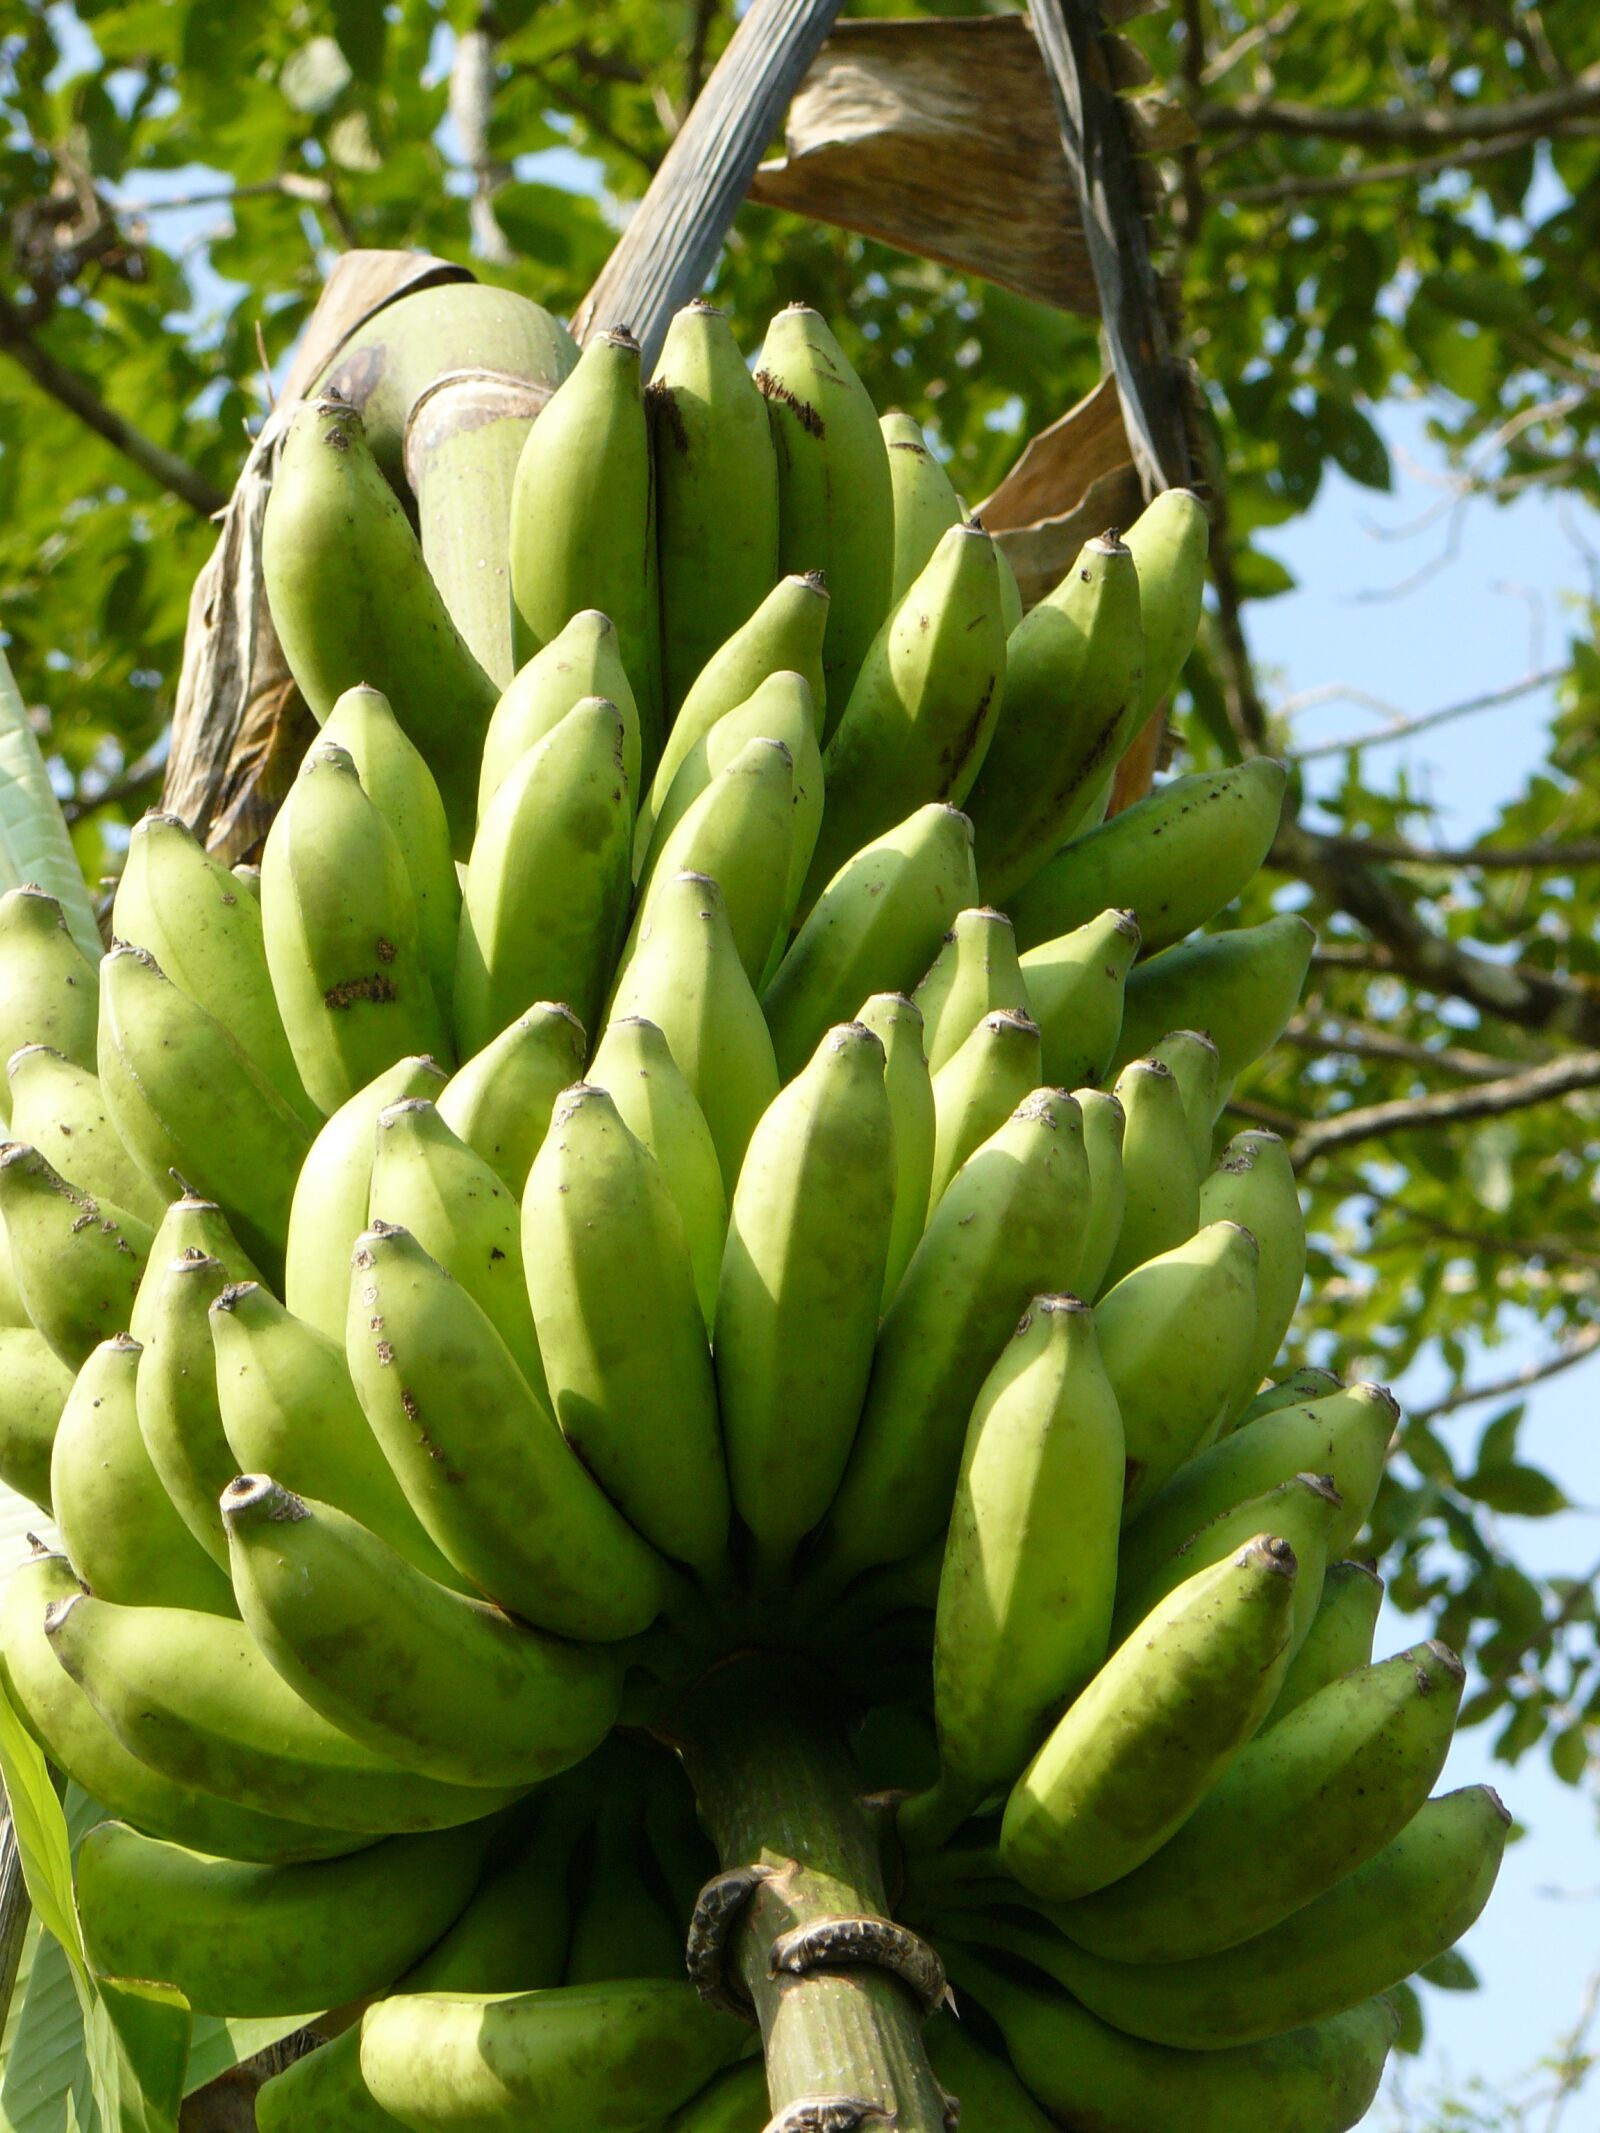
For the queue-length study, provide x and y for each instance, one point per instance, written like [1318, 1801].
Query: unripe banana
[620, 1925]
[1030, 1565]
[499, 1101]
[189, 912]
[1196, 1066]
[1305, 1805]
[989, 2091]
[923, 707]
[1155, 1729]
[606, 2058]
[685, 976]
[1175, 859]
[926, 506]
[445, 1684]
[191, 1227]
[193, 1696]
[1339, 1639]
[1074, 677]
[583, 520]
[1104, 1123]
[429, 1182]
[1176, 1335]
[319, 1934]
[402, 788]
[1294, 1389]
[583, 660]
[736, 2102]
[1239, 987]
[480, 1459]
[716, 493]
[353, 602]
[1160, 1177]
[1254, 1183]
[35, 1385]
[975, 973]
[635, 1067]
[977, 1089]
[180, 1419]
[49, 990]
[1319, 2079]
[898, 1025]
[1168, 541]
[547, 888]
[621, 1330]
[1008, 1228]
[288, 1407]
[59, 1107]
[835, 498]
[1075, 992]
[125, 1539]
[13, 1311]
[1345, 1436]
[77, 1260]
[797, 1309]
[875, 928]
[329, 1209]
[340, 921]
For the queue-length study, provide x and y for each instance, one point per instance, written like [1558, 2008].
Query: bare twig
[1552, 858]
[1417, 126]
[1316, 185]
[1401, 728]
[1581, 1345]
[288, 185]
[1448, 1107]
[1337, 1035]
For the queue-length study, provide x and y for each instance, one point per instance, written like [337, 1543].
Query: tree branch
[1557, 1250]
[1581, 1345]
[1545, 858]
[1402, 728]
[1337, 1034]
[1449, 1107]
[1317, 185]
[694, 65]
[1417, 127]
[79, 398]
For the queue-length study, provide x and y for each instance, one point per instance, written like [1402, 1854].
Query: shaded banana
[59, 1107]
[1339, 1639]
[977, 1089]
[1104, 1122]
[898, 1025]
[175, 1394]
[1295, 1387]
[499, 1101]
[1254, 1183]
[984, 2085]
[1075, 992]
[78, 1261]
[584, 659]
[49, 989]
[1160, 1177]
[1196, 1066]
[1239, 987]
[975, 973]
[620, 1925]
[34, 1383]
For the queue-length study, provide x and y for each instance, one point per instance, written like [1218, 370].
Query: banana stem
[778, 1791]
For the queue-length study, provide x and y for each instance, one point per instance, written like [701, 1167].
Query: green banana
[1030, 1565]
[175, 1394]
[802, 1275]
[620, 1924]
[59, 1106]
[1104, 1123]
[835, 497]
[320, 1933]
[924, 704]
[1074, 681]
[499, 1101]
[1339, 1639]
[583, 520]
[716, 493]
[582, 660]
[1156, 1728]
[288, 1407]
[547, 887]
[35, 1385]
[121, 1532]
[80, 1743]
[339, 917]
[192, 1227]
[926, 506]
[1176, 1336]
[635, 1066]
[602, 2058]
[1319, 2079]
[353, 602]
[685, 976]
[193, 1696]
[442, 1683]
[1175, 859]
[974, 974]
[77, 1260]
[989, 2093]
[429, 1182]
[13, 1311]
[188, 911]
[736, 2102]
[897, 1023]
[1253, 1183]
[1239, 987]
[1345, 1436]
[329, 1209]
[49, 989]
[1008, 1228]
[621, 1330]
[1075, 992]
[1169, 542]
[482, 1463]
[1160, 1177]
[403, 789]
[977, 1089]
[1305, 1804]
[1196, 1066]
[875, 928]
[1295, 1387]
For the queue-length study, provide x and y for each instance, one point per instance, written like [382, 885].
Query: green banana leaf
[35, 844]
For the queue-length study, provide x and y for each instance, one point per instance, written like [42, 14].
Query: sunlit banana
[1196, 1066]
[196, 1227]
[974, 973]
[1294, 1388]
[499, 1101]
[49, 990]
[1339, 1639]
[926, 506]
[898, 1025]
[176, 1393]
[977, 1089]
[584, 659]
[1075, 990]
[77, 1260]
[1254, 1183]
[1104, 1123]
[34, 1383]
[1239, 987]
[1160, 1177]
[59, 1107]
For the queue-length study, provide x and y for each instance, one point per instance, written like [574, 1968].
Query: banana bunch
[713, 1148]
